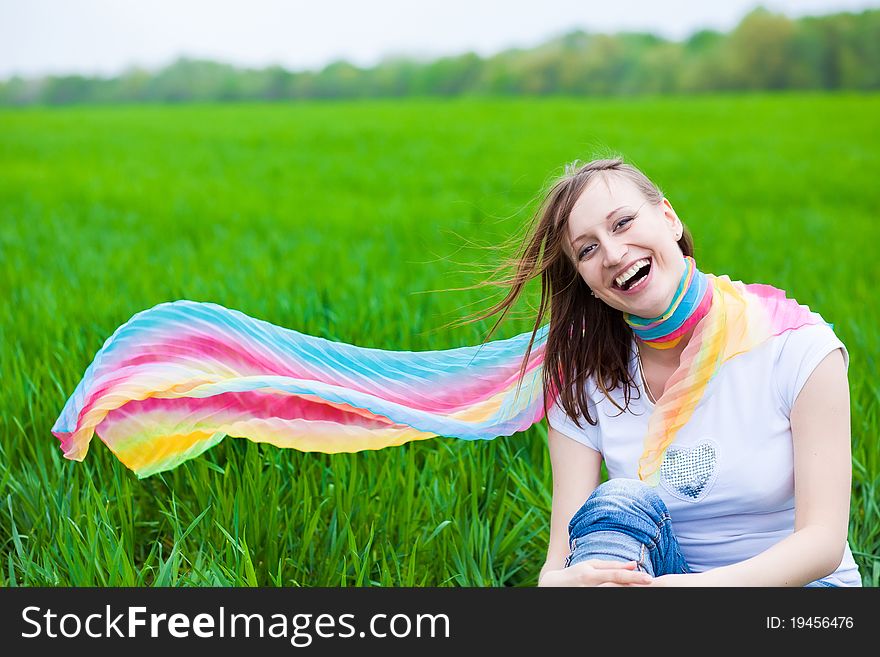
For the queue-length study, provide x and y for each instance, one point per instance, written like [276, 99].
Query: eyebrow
[607, 217]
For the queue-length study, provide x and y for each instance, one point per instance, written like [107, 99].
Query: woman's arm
[820, 428]
[576, 474]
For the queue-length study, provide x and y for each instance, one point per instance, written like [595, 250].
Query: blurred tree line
[766, 51]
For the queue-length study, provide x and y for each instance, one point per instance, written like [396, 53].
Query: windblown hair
[586, 337]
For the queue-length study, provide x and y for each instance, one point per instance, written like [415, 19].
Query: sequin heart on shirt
[689, 473]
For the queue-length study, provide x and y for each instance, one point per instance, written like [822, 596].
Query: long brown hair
[603, 350]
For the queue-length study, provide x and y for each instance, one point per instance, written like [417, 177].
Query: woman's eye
[587, 250]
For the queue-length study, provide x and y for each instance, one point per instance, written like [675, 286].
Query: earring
[592, 293]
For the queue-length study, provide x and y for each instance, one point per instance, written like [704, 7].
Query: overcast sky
[105, 37]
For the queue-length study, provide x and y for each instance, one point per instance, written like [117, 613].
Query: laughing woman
[721, 410]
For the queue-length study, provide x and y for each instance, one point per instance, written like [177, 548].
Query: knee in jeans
[628, 489]
[616, 494]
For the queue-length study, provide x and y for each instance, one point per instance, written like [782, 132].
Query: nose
[614, 253]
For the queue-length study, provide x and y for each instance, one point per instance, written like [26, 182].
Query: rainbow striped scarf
[177, 378]
[732, 319]
[690, 303]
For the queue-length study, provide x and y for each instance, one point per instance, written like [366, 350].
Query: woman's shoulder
[795, 345]
[797, 353]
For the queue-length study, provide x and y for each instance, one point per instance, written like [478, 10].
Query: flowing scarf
[175, 379]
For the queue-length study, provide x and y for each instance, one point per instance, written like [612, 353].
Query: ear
[671, 218]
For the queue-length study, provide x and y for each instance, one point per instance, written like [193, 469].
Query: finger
[622, 577]
[607, 564]
[638, 585]
[629, 577]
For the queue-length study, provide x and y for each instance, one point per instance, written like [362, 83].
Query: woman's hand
[596, 572]
[675, 579]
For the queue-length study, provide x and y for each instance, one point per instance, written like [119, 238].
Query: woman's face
[613, 229]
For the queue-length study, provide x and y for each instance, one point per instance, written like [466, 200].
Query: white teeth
[629, 273]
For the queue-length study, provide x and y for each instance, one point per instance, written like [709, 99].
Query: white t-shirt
[728, 477]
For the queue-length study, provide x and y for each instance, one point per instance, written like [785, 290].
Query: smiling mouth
[636, 279]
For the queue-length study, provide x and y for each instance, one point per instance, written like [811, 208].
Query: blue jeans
[626, 520]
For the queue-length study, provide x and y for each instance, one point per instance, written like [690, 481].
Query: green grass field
[337, 220]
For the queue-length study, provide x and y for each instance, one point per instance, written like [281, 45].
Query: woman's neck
[665, 358]
[668, 334]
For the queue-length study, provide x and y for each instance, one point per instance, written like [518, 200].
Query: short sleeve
[587, 434]
[801, 352]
